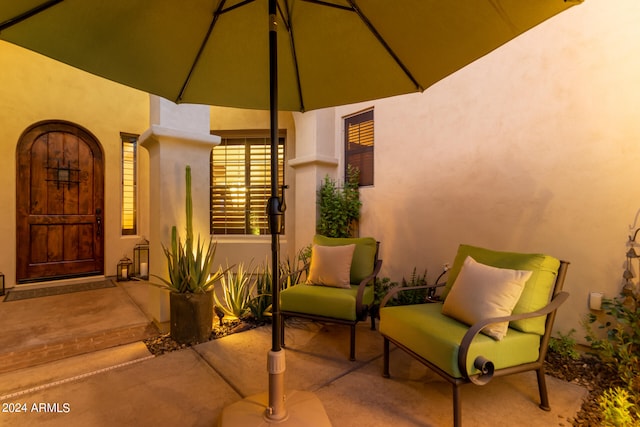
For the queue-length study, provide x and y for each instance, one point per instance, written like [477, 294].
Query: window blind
[359, 143]
[241, 183]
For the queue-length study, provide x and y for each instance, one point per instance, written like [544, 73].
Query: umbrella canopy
[330, 52]
[228, 53]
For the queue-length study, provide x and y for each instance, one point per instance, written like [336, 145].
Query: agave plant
[260, 304]
[189, 263]
[293, 272]
[238, 289]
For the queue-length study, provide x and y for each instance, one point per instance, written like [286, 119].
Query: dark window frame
[359, 145]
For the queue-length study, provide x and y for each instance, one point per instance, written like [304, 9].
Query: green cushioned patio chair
[441, 335]
[339, 287]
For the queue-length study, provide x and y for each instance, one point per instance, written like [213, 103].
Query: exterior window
[241, 181]
[129, 188]
[358, 142]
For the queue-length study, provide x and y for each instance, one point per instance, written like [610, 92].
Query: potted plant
[190, 281]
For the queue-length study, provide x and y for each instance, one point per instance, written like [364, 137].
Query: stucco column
[315, 158]
[179, 136]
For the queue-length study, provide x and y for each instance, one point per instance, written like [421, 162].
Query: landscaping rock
[588, 372]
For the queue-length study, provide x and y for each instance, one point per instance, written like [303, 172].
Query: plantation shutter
[128, 214]
[241, 182]
[359, 145]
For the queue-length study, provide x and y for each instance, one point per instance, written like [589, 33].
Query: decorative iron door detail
[63, 175]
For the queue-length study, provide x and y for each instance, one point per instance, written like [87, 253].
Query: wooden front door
[60, 203]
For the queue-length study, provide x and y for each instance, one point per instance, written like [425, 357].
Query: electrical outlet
[445, 267]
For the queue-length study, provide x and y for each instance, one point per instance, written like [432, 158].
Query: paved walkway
[40, 330]
[125, 385]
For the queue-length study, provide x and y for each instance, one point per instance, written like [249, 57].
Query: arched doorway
[59, 202]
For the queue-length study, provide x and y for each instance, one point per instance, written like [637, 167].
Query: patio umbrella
[229, 53]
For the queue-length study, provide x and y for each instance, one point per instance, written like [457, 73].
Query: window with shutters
[129, 193]
[241, 181]
[358, 141]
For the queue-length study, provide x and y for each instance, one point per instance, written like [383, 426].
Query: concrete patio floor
[123, 384]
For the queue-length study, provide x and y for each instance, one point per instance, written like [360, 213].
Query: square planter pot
[191, 317]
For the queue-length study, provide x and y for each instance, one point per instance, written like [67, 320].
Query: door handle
[98, 222]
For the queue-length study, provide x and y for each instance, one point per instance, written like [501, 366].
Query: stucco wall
[532, 148]
[34, 88]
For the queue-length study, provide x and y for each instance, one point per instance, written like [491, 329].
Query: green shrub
[565, 345]
[413, 296]
[615, 404]
[339, 207]
[619, 350]
[383, 286]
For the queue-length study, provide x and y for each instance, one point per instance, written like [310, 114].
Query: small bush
[339, 207]
[383, 286]
[615, 404]
[620, 349]
[413, 296]
[565, 345]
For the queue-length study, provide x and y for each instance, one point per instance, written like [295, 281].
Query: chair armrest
[361, 310]
[393, 292]
[486, 366]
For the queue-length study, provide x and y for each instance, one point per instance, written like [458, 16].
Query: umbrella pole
[276, 410]
[304, 407]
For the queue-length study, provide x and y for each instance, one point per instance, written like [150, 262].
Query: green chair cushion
[537, 290]
[363, 256]
[337, 303]
[426, 331]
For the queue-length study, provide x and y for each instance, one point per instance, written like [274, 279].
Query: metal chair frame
[362, 310]
[485, 366]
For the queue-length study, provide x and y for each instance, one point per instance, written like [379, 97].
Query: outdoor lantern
[141, 260]
[124, 269]
[2, 280]
[629, 286]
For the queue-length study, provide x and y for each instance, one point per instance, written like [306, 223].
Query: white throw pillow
[481, 291]
[331, 265]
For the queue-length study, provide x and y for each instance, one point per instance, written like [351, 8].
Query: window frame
[132, 187]
[361, 156]
[250, 137]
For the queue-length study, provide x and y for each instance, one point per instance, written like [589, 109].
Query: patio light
[141, 260]
[628, 287]
[124, 269]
